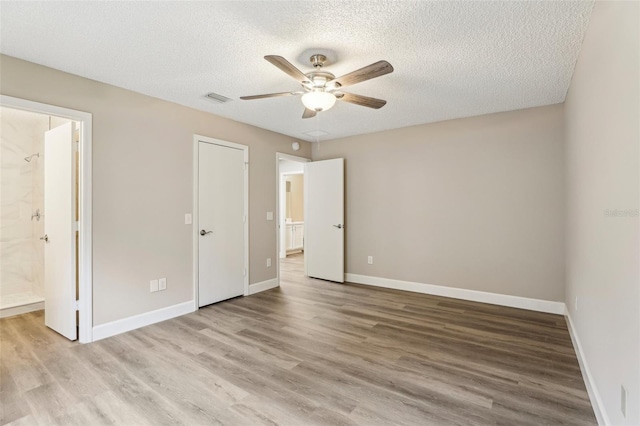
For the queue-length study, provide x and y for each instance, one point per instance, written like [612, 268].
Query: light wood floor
[310, 352]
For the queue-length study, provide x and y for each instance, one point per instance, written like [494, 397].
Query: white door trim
[195, 236]
[85, 260]
[281, 156]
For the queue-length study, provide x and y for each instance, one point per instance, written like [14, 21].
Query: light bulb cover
[318, 100]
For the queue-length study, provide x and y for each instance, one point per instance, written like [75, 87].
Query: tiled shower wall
[21, 194]
[22, 189]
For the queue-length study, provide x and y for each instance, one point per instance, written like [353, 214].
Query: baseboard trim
[21, 309]
[592, 390]
[131, 323]
[263, 286]
[539, 305]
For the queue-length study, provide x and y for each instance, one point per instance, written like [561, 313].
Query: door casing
[195, 236]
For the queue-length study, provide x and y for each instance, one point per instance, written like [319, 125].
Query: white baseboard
[131, 323]
[262, 286]
[22, 309]
[461, 293]
[592, 390]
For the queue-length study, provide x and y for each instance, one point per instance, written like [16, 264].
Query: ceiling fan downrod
[317, 60]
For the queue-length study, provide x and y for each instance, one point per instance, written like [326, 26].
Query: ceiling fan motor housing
[318, 79]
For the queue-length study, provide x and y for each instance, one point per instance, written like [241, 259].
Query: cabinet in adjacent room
[295, 236]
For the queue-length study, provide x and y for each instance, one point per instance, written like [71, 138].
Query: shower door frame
[85, 273]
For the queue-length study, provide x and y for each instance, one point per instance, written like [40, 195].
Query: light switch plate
[153, 286]
[187, 219]
[269, 215]
[162, 284]
[268, 262]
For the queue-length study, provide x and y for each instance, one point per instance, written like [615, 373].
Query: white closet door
[221, 227]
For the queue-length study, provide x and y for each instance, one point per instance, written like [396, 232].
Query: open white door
[221, 222]
[324, 219]
[59, 226]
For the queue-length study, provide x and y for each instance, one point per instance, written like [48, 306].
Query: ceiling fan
[320, 88]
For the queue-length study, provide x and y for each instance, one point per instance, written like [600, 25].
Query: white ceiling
[451, 59]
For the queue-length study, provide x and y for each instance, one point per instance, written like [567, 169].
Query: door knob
[203, 232]
[339, 226]
[45, 238]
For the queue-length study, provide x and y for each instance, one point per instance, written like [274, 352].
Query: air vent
[316, 133]
[217, 98]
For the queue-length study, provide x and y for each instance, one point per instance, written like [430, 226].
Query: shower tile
[15, 251]
[14, 283]
[17, 229]
[22, 189]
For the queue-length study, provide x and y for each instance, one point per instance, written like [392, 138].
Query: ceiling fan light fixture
[318, 100]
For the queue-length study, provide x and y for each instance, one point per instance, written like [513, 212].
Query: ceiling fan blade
[270, 95]
[308, 113]
[363, 100]
[370, 71]
[287, 67]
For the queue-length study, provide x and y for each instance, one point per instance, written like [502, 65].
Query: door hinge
[76, 226]
[76, 146]
[76, 305]
[246, 165]
[244, 272]
[244, 219]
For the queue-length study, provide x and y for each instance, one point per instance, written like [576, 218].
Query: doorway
[46, 212]
[323, 226]
[221, 231]
[290, 213]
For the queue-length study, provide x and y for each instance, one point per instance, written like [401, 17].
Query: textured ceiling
[451, 59]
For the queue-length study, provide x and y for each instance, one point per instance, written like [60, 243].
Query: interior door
[324, 219]
[59, 226]
[221, 210]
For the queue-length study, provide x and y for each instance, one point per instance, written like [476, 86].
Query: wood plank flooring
[307, 353]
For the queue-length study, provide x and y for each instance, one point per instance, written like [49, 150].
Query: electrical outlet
[153, 286]
[576, 303]
[268, 262]
[162, 284]
[623, 401]
[370, 260]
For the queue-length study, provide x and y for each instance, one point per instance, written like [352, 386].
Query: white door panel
[59, 226]
[221, 216]
[324, 219]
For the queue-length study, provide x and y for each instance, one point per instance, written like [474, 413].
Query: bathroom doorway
[44, 248]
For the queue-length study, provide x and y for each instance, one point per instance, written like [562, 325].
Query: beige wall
[295, 198]
[142, 185]
[603, 134]
[474, 203]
